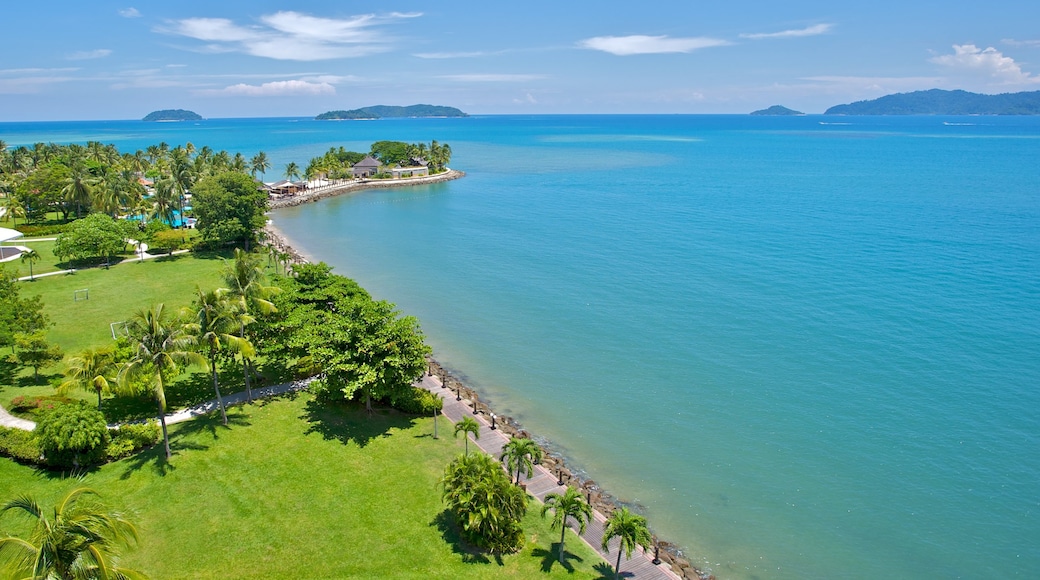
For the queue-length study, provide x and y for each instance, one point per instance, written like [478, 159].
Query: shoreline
[601, 500]
[361, 185]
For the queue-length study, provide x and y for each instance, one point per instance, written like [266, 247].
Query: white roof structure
[7, 235]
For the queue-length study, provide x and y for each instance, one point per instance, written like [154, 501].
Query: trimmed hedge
[131, 438]
[419, 402]
[22, 446]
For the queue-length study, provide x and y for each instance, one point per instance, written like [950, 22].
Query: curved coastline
[601, 500]
[360, 185]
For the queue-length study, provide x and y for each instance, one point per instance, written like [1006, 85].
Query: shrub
[33, 406]
[418, 401]
[19, 445]
[168, 241]
[131, 438]
[72, 435]
[487, 506]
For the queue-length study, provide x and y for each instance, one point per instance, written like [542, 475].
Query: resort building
[367, 167]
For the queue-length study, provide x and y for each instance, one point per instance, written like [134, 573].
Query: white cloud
[20, 81]
[273, 89]
[815, 30]
[875, 84]
[89, 54]
[289, 35]
[1029, 43]
[987, 63]
[437, 55]
[493, 78]
[130, 12]
[640, 44]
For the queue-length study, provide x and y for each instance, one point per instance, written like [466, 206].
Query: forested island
[940, 102]
[173, 115]
[391, 112]
[777, 111]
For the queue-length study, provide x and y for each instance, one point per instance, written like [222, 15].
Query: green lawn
[115, 294]
[296, 490]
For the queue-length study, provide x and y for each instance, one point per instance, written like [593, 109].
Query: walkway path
[543, 482]
[141, 256]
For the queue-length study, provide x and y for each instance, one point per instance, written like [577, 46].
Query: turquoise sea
[807, 347]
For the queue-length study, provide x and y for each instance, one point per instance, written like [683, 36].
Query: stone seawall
[360, 185]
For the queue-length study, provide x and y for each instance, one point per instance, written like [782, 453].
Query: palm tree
[160, 348]
[521, 454]
[32, 257]
[260, 163]
[632, 530]
[81, 540]
[93, 370]
[468, 425]
[568, 504]
[243, 279]
[164, 199]
[14, 208]
[79, 187]
[213, 324]
[292, 170]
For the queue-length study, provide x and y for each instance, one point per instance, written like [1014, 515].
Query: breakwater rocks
[600, 500]
[358, 185]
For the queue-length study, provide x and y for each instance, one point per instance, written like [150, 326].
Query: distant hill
[940, 102]
[172, 115]
[777, 110]
[389, 112]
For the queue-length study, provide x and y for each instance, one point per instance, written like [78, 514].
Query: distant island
[172, 115]
[390, 112]
[940, 102]
[777, 111]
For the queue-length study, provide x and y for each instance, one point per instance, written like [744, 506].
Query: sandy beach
[353, 185]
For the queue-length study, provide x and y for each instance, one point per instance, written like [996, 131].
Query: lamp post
[475, 411]
[493, 427]
[657, 556]
[559, 473]
[458, 393]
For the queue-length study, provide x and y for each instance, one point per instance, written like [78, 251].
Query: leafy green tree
[33, 350]
[632, 530]
[81, 539]
[485, 503]
[72, 435]
[521, 454]
[569, 504]
[213, 324]
[230, 208]
[366, 348]
[161, 348]
[31, 256]
[41, 190]
[92, 370]
[468, 425]
[97, 235]
[390, 152]
[18, 314]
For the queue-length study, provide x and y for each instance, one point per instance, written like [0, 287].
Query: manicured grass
[48, 262]
[297, 490]
[115, 294]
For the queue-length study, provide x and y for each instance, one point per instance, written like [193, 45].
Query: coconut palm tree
[14, 208]
[244, 279]
[164, 201]
[632, 530]
[568, 504]
[31, 256]
[213, 325]
[80, 540]
[161, 347]
[521, 454]
[78, 187]
[259, 163]
[468, 425]
[93, 370]
[292, 170]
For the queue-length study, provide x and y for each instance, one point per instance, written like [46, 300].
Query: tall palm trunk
[98, 399]
[617, 568]
[563, 534]
[160, 399]
[245, 364]
[216, 388]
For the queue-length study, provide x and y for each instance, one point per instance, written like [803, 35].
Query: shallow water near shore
[808, 350]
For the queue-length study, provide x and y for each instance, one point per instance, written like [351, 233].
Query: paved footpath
[543, 482]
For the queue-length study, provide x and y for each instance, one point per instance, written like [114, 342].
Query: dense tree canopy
[230, 208]
[97, 235]
[17, 313]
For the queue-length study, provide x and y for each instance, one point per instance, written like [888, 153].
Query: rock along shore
[359, 185]
[552, 460]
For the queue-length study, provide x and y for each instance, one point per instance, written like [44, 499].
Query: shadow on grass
[186, 436]
[551, 557]
[27, 379]
[607, 571]
[445, 524]
[186, 391]
[346, 422]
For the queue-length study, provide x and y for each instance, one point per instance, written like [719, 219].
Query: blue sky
[228, 58]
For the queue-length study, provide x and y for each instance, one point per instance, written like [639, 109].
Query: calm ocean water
[809, 347]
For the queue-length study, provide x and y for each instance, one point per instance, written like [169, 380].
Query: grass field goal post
[119, 328]
[83, 294]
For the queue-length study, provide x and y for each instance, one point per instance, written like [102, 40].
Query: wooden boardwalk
[543, 482]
